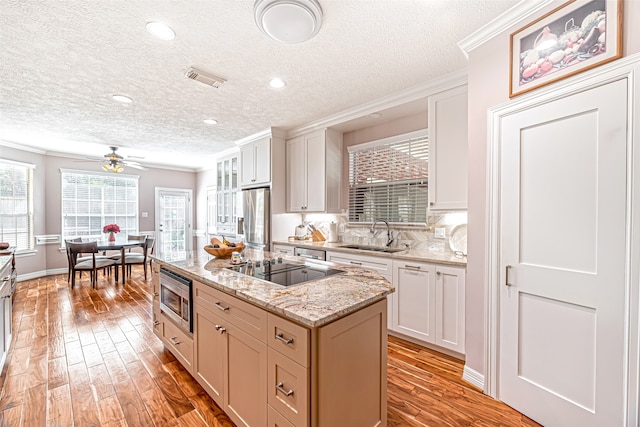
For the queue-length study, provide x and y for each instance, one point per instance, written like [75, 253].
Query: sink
[372, 248]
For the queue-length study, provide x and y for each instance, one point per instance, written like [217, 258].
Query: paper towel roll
[333, 233]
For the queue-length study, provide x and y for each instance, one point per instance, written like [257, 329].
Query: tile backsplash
[417, 237]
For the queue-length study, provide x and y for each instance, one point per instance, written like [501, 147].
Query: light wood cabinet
[255, 163]
[448, 149]
[429, 303]
[314, 171]
[231, 354]
[6, 313]
[262, 369]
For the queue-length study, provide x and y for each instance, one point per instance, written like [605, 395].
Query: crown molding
[423, 90]
[17, 146]
[520, 11]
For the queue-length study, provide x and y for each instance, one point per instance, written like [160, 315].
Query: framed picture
[577, 36]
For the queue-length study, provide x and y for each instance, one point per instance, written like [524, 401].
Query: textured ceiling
[60, 62]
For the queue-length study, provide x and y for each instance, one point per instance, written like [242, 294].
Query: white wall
[488, 82]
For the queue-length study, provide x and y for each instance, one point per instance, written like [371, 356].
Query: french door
[174, 221]
[563, 292]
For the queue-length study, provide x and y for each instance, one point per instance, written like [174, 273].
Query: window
[16, 204]
[92, 200]
[388, 179]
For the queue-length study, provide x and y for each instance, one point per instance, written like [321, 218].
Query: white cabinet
[429, 303]
[255, 163]
[314, 170]
[227, 195]
[448, 149]
[283, 249]
[381, 265]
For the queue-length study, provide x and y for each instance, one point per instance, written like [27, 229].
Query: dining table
[121, 244]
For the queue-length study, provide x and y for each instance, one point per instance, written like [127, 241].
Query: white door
[562, 257]
[173, 221]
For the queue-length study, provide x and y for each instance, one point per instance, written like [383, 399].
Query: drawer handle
[174, 340]
[412, 267]
[283, 339]
[221, 307]
[355, 263]
[281, 389]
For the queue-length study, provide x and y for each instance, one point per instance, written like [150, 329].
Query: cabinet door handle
[506, 275]
[281, 389]
[155, 294]
[174, 340]
[156, 323]
[221, 307]
[283, 339]
[355, 263]
[412, 267]
[221, 329]
[438, 273]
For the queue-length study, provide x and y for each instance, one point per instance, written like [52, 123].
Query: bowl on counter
[223, 250]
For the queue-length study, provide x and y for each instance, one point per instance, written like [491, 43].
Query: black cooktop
[284, 273]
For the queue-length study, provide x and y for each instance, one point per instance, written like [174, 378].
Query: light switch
[439, 233]
[145, 214]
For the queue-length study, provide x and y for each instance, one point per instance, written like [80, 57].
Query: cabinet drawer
[379, 264]
[276, 419]
[288, 388]
[248, 318]
[288, 338]
[178, 342]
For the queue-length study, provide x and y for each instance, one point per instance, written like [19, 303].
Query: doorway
[174, 222]
[562, 324]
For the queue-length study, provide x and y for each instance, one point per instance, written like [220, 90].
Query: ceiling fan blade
[134, 165]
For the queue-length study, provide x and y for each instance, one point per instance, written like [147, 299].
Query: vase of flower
[111, 229]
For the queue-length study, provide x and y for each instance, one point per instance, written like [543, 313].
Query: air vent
[203, 77]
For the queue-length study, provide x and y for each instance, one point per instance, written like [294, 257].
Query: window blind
[92, 200]
[389, 179]
[16, 204]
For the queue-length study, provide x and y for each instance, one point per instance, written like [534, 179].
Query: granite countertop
[415, 254]
[314, 303]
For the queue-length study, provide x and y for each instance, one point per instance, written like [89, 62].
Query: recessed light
[210, 121]
[374, 115]
[160, 30]
[122, 98]
[277, 83]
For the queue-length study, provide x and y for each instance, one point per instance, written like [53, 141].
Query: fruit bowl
[223, 250]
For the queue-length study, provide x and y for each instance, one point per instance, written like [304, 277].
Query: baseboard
[473, 377]
[41, 273]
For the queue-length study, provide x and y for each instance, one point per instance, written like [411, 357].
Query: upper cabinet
[314, 171]
[226, 196]
[448, 149]
[255, 163]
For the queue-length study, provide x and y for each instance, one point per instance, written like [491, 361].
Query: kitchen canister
[333, 233]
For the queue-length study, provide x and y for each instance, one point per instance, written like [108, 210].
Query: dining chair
[93, 264]
[135, 258]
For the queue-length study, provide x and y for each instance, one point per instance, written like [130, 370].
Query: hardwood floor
[88, 357]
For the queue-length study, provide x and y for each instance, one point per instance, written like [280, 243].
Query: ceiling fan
[115, 162]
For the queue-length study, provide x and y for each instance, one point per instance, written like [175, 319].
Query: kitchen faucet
[373, 230]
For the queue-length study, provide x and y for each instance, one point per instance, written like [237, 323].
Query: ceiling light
[122, 98]
[374, 115]
[160, 30]
[210, 121]
[288, 21]
[277, 83]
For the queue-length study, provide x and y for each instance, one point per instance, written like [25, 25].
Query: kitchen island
[313, 354]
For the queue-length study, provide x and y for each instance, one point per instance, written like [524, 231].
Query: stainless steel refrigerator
[256, 224]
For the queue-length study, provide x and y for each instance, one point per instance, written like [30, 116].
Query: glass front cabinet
[224, 199]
